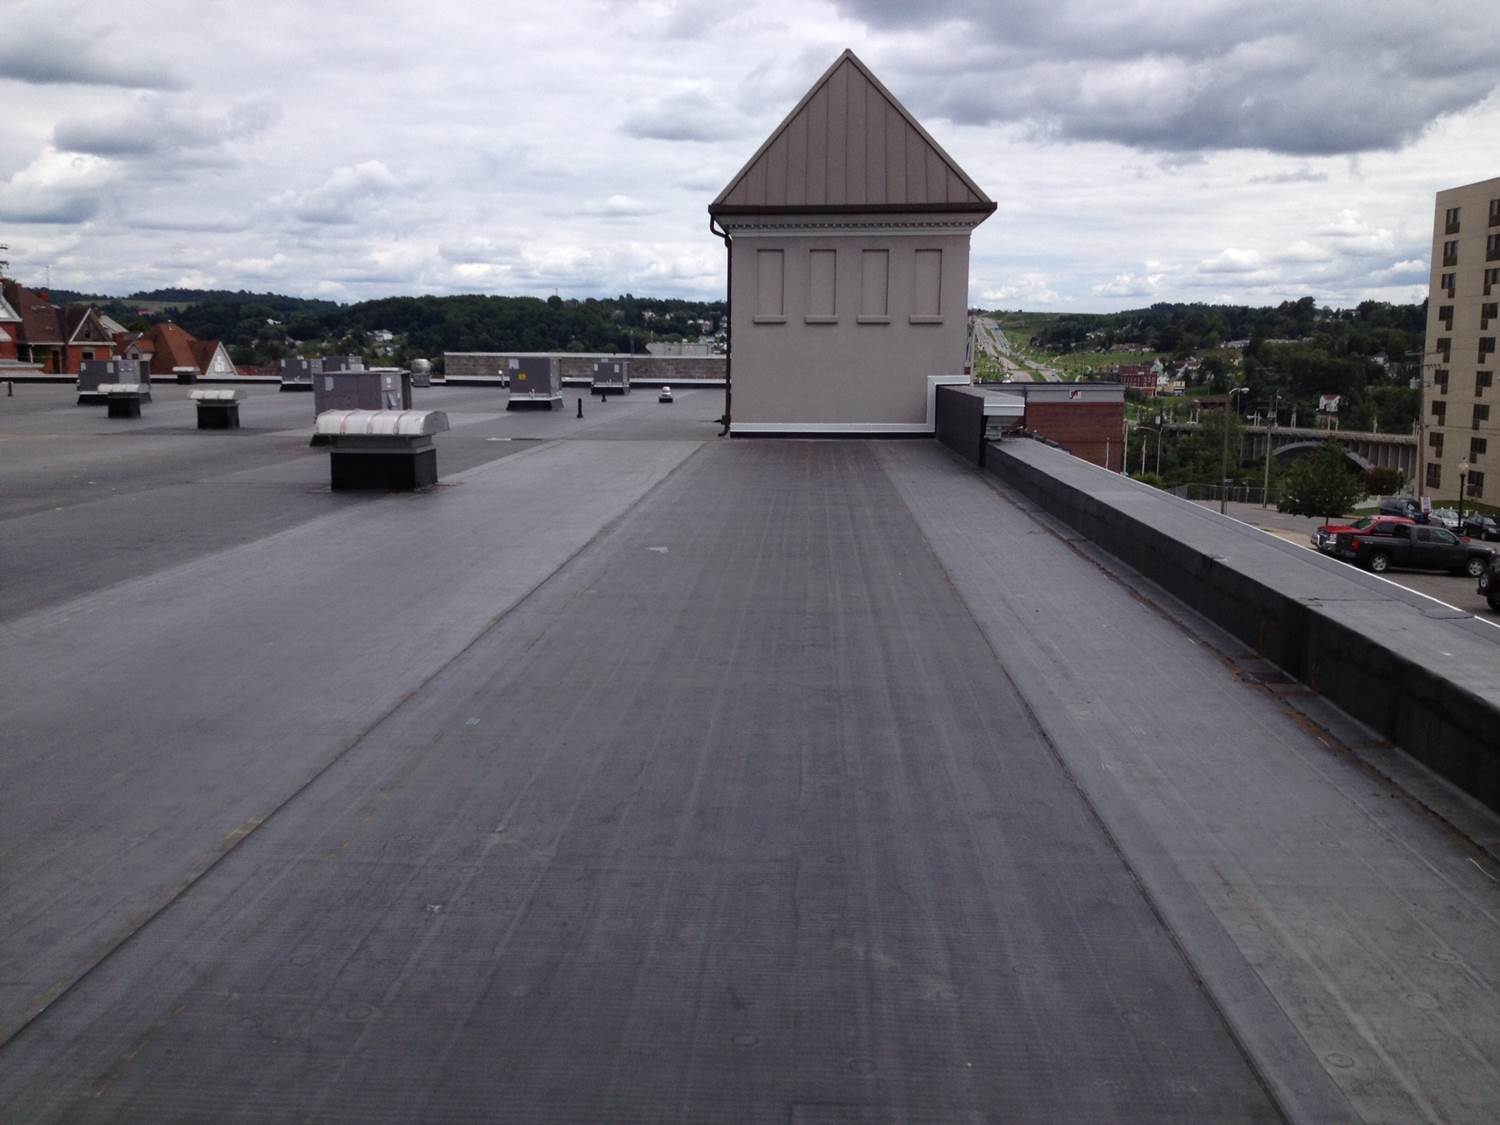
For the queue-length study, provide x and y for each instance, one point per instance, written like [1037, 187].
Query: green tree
[1381, 481]
[1320, 484]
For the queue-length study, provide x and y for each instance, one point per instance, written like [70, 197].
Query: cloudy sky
[1243, 151]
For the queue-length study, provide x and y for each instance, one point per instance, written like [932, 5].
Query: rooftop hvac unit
[611, 376]
[535, 380]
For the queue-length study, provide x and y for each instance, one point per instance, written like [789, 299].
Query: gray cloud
[67, 44]
[1343, 76]
[1298, 176]
[155, 125]
[689, 115]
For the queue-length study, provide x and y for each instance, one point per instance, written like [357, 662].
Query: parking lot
[1460, 592]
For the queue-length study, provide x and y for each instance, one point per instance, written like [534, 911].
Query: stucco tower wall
[830, 353]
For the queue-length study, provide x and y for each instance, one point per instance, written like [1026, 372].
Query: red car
[1323, 539]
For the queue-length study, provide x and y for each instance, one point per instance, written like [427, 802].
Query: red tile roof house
[57, 339]
[173, 350]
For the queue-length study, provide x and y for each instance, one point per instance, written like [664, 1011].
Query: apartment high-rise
[1461, 422]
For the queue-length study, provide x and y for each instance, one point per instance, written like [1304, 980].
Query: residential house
[171, 349]
[10, 331]
[55, 338]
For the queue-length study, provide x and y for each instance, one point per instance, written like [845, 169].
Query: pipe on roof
[713, 225]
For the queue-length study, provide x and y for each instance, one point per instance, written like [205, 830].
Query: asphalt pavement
[1461, 592]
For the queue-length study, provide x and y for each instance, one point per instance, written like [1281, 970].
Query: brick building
[1088, 419]
[1461, 425]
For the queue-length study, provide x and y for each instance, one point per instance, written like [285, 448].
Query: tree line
[264, 327]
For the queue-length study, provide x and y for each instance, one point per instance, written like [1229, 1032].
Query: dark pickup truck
[1418, 546]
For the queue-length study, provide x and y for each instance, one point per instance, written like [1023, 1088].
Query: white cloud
[1027, 290]
[337, 199]
[1127, 285]
[1303, 251]
[57, 187]
[1232, 260]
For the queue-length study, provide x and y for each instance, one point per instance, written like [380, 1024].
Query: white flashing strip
[927, 427]
[830, 428]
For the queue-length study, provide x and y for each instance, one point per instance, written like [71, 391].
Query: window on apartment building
[1495, 212]
[770, 286]
[822, 287]
[1482, 382]
[1492, 248]
[1476, 483]
[874, 287]
[1439, 412]
[1440, 380]
[1435, 443]
[1450, 253]
[1434, 476]
[1450, 221]
[1444, 347]
[1478, 447]
[1486, 347]
[1447, 284]
[1445, 315]
[927, 287]
[1491, 279]
[1488, 312]
[1481, 415]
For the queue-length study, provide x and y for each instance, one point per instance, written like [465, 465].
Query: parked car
[1416, 546]
[1324, 537]
[1482, 527]
[1400, 506]
[1489, 583]
[1444, 517]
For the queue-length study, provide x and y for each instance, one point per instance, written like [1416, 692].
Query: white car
[665, 396]
[1444, 517]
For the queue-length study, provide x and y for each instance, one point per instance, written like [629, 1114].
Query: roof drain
[713, 225]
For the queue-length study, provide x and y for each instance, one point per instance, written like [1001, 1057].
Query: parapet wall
[580, 365]
[1424, 675]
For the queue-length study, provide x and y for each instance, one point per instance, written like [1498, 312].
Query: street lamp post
[1463, 473]
[1224, 461]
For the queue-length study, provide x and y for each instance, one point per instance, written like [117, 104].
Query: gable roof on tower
[849, 146]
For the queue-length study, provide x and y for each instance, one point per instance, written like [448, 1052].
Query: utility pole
[1265, 488]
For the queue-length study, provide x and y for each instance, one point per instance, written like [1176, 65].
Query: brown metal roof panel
[797, 160]
[819, 148]
[848, 127]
